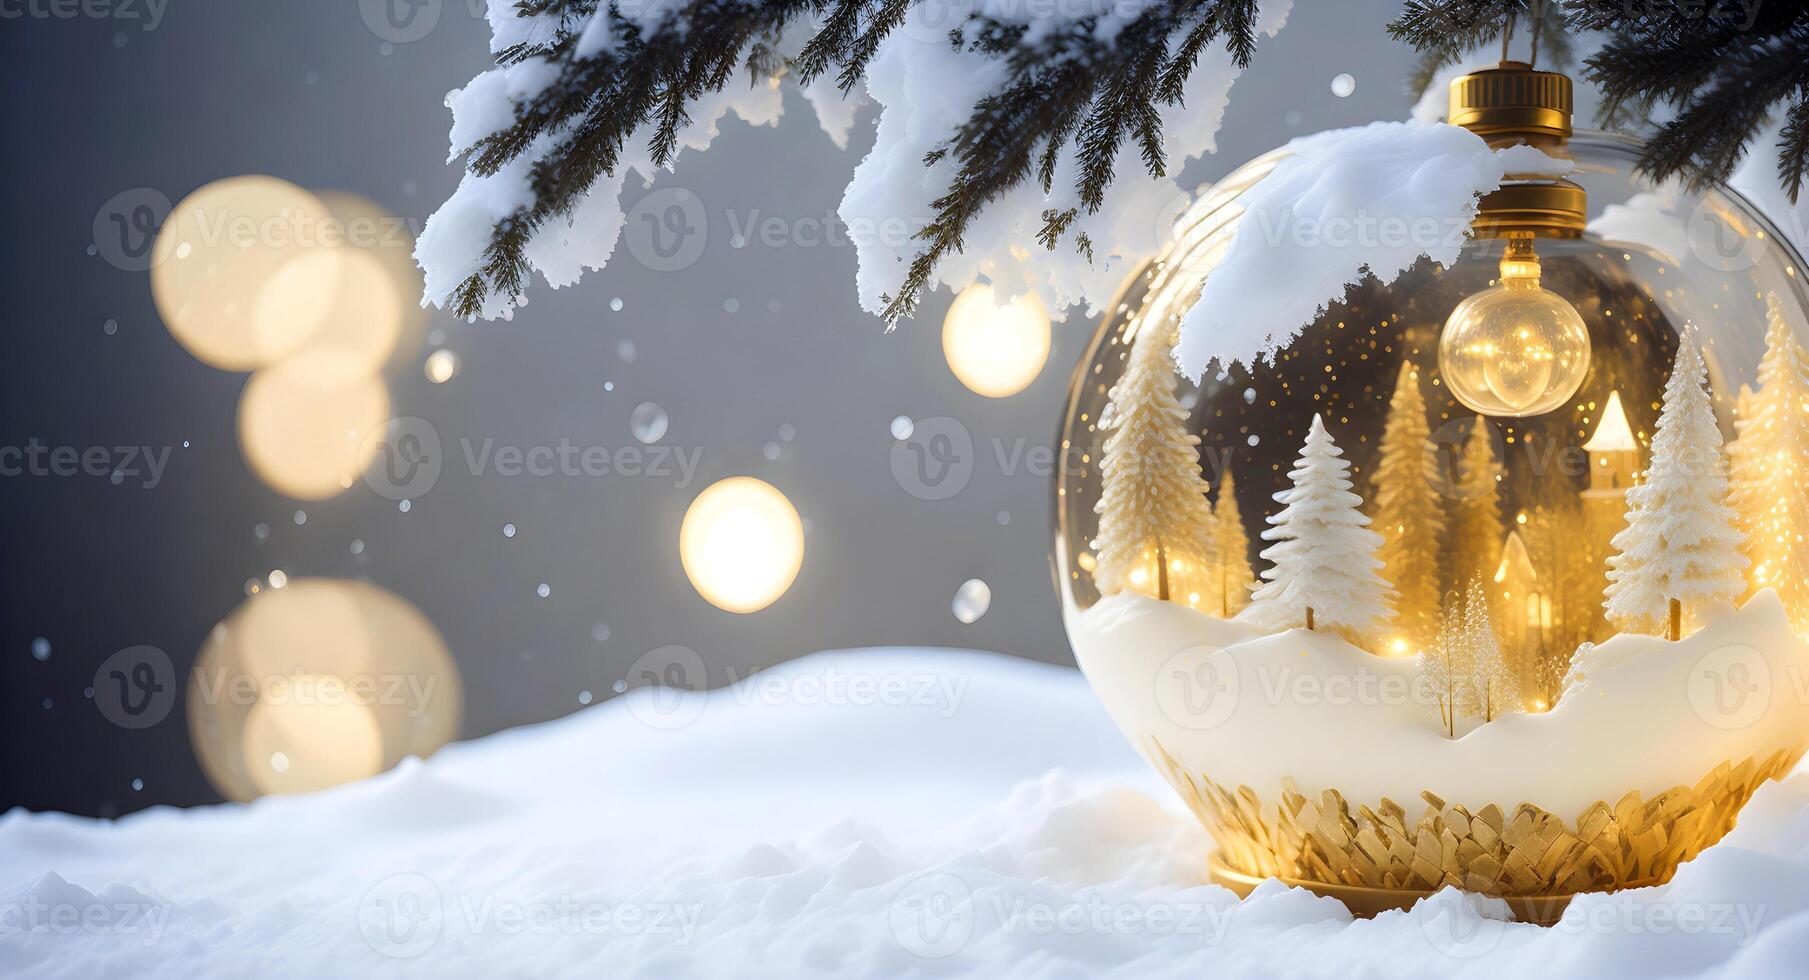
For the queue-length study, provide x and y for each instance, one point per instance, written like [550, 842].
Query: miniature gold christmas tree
[1768, 463]
[1408, 514]
[1475, 537]
[1155, 525]
[1493, 688]
[1570, 589]
[1231, 551]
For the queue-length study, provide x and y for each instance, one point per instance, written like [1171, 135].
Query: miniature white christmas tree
[1231, 551]
[1492, 688]
[1768, 470]
[1324, 566]
[1679, 554]
[1155, 524]
[1408, 514]
[1475, 521]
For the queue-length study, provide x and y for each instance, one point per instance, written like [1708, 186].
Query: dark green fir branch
[1065, 87]
[1723, 70]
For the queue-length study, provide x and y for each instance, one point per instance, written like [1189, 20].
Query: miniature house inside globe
[1493, 576]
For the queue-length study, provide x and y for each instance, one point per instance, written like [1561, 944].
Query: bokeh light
[303, 746]
[440, 366]
[372, 231]
[995, 350]
[319, 683]
[319, 294]
[216, 253]
[304, 423]
[362, 315]
[972, 600]
[741, 544]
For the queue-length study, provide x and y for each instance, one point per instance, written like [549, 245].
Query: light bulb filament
[1516, 348]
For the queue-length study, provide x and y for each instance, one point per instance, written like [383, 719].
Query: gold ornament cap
[1545, 209]
[1512, 100]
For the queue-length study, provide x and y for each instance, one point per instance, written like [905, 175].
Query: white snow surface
[983, 819]
[1345, 202]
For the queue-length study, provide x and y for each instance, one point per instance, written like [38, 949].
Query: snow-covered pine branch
[1323, 570]
[1679, 554]
[1443, 31]
[1024, 123]
[1724, 75]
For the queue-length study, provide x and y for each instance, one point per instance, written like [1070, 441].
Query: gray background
[306, 92]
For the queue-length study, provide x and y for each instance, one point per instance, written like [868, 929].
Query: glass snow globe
[1495, 573]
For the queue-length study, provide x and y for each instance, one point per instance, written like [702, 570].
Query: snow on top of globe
[924, 88]
[1370, 198]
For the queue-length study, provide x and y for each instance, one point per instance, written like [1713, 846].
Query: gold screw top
[1545, 209]
[1512, 100]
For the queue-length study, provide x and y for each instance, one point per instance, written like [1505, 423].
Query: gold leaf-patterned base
[1540, 910]
[1329, 845]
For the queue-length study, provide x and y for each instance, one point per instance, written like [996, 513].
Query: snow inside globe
[1438, 512]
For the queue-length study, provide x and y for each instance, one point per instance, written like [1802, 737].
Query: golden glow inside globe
[741, 544]
[995, 349]
[1432, 384]
[1515, 349]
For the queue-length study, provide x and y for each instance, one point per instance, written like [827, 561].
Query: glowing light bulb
[1516, 348]
[741, 544]
[995, 350]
